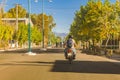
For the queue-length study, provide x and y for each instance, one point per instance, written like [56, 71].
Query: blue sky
[62, 10]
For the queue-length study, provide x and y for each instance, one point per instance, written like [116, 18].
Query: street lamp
[43, 22]
[29, 31]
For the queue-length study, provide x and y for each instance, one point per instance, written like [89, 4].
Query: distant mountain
[61, 34]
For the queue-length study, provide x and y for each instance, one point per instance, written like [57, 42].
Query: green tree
[48, 25]
[36, 36]
[12, 12]
[22, 34]
[6, 33]
[96, 21]
[34, 18]
[53, 38]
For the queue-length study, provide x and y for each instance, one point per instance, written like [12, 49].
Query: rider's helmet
[70, 36]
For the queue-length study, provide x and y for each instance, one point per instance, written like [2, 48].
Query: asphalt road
[51, 65]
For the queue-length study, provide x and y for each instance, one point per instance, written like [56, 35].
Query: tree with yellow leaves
[96, 21]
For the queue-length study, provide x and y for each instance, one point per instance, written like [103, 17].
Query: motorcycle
[70, 55]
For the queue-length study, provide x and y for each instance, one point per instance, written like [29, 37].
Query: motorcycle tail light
[69, 50]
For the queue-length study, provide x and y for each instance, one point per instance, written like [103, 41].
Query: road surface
[51, 65]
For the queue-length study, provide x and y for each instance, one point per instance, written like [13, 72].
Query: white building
[12, 21]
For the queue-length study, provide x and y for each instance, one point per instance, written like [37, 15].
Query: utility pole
[43, 38]
[43, 23]
[16, 17]
[29, 31]
[16, 28]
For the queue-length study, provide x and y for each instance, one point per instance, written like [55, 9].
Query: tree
[36, 36]
[12, 12]
[96, 21]
[6, 33]
[48, 25]
[34, 18]
[22, 34]
[53, 38]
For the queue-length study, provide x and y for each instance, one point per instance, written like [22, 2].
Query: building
[12, 21]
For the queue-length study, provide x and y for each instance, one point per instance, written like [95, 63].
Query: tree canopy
[12, 12]
[21, 35]
[96, 20]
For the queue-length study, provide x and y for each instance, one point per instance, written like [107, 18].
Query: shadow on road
[100, 67]
[36, 50]
[86, 67]
[27, 63]
[116, 57]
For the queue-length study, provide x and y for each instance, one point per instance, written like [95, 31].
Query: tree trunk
[93, 48]
[107, 42]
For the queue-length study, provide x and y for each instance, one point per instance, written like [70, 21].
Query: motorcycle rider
[72, 47]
